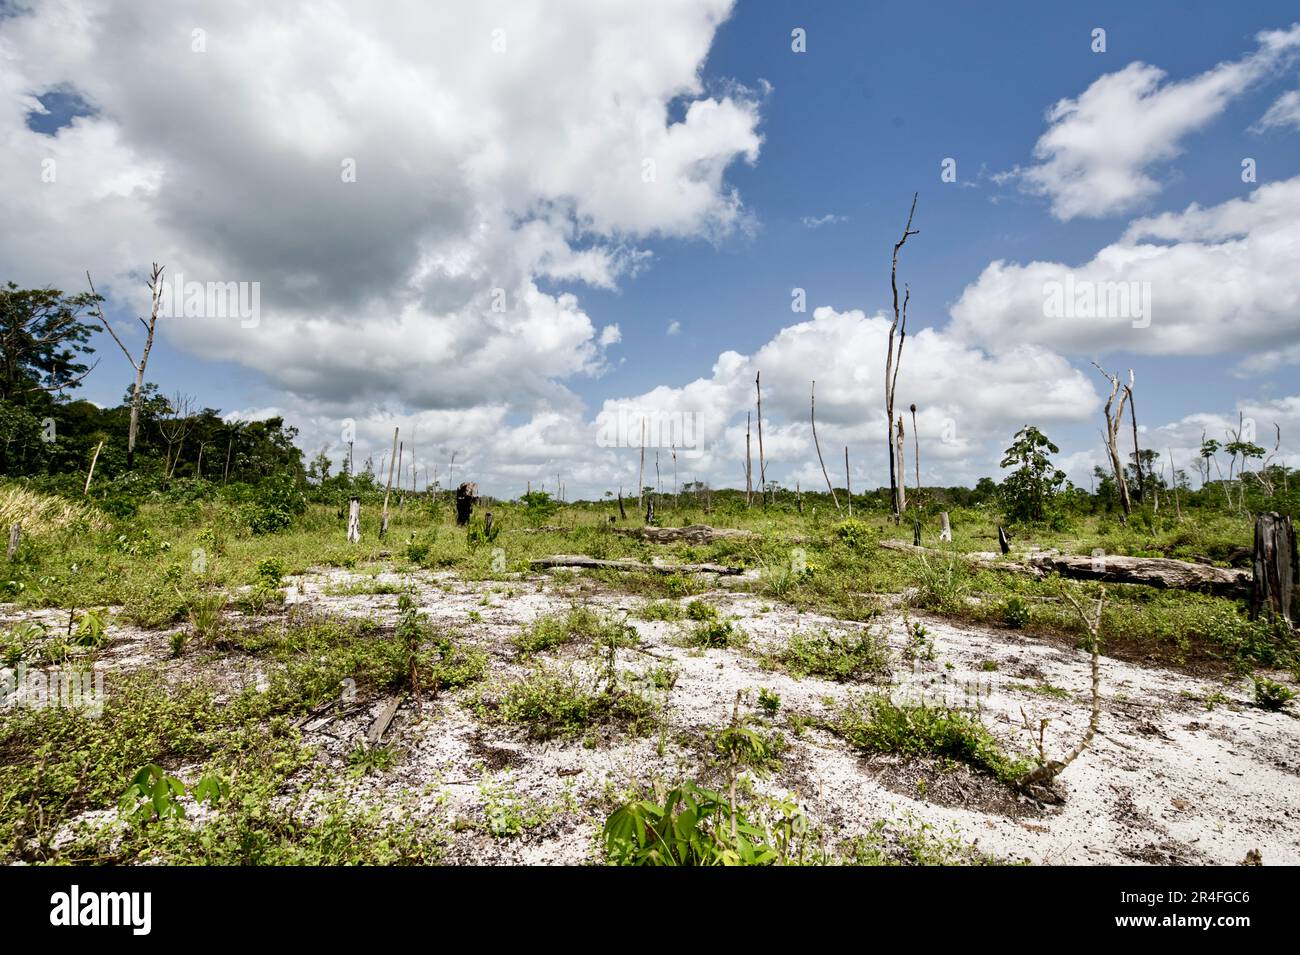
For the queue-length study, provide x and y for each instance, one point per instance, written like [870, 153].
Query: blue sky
[849, 129]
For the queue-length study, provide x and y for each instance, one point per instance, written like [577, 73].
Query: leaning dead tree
[893, 359]
[1114, 418]
[155, 297]
[388, 489]
[812, 415]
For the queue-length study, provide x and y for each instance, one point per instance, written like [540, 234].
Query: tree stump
[1004, 541]
[916, 533]
[1275, 567]
[621, 512]
[487, 525]
[354, 520]
[650, 510]
[945, 528]
[466, 495]
[15, 531]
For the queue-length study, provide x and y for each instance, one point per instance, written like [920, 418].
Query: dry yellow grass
[43, 513]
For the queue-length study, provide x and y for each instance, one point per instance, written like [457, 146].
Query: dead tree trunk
[893, 360]
[848, 482]
[812, 415]
[354, 520]
[902, 484]
[1140, 492]
[1004, 542]
[749, 464]
[392, 460]
[91, 473]
[762, 460]
[1114, 416]
[945, 528]
[621, 512]
[916, 455]
[640, 480]
[466, 495]
[15, 532]
[137, 392]
[1275, 568]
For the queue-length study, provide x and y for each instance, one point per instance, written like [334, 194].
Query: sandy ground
[1171, 778]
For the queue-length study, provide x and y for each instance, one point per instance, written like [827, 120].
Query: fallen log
[592, 563]
[1161, 572]
[692, 533]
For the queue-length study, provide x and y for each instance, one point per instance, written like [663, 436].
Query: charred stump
[466, 495]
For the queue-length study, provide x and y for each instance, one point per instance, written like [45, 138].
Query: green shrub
[1271, 695]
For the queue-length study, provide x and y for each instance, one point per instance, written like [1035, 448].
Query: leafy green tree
[42, 341]
[1027, 490]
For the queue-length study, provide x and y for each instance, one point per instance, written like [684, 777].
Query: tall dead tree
[812, 414]
[749, 463]
[902, 483]
[916, 454]
[1139, 491]
[762, 460]
[383, 520]
[897, 328]
[137, 392]
[848, 483]
[1114, 417]
[640, 481]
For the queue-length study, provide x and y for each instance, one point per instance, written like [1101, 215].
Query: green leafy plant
[1015, 612]
[1271, 695]
[153, 795]
[91, 629]
[697, 826]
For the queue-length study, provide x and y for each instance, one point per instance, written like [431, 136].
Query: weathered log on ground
[692, 533]
[386, 714]
[1275, 567]
[592, 563]
[1161, 572]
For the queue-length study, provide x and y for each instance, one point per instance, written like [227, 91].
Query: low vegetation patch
[843, 657]
[874, 723]
[564, 704]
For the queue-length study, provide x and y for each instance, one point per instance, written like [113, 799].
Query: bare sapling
[1047, 770]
